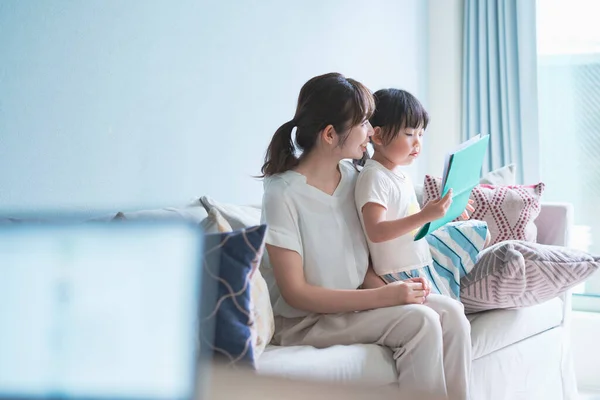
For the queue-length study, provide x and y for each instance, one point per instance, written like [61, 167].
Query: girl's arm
[289, 274]
[379, 229]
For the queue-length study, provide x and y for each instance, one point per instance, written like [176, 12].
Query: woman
[323, 290]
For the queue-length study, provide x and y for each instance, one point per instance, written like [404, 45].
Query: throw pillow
[239, 217]
[454, 249]
[231, 261]
[215, 223]
[502, 176]
[262, 312]
[510, 211]
[520, 274]
[260, 306]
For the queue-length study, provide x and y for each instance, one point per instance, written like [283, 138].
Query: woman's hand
[403, 292]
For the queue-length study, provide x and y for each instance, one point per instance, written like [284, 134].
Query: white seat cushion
[496, 329]
[366, 363]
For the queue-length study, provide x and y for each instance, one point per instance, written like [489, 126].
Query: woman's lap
[363, 327]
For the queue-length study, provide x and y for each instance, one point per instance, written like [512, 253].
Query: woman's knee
[419, 321]
[455, 317]
[455, 307]
[451, 312]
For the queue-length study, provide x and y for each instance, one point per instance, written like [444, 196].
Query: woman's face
[355, 144]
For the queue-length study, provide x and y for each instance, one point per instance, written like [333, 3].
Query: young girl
[319, 256]
[390, 213]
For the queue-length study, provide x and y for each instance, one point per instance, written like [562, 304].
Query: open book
[462, 171]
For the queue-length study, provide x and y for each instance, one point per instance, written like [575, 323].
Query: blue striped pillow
[455, 249]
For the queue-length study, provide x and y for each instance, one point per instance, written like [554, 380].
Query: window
[568, 43]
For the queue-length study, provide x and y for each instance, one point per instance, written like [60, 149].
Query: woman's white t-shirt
[324, 229]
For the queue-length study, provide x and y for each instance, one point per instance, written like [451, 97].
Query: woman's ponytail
[280, 155]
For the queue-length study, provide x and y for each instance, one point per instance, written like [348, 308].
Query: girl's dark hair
[330, 99]
[396, 109]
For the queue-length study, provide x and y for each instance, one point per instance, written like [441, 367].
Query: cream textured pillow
[502, 176]
[261, 310]
[263, 313]
[215, 223]
[238, 216]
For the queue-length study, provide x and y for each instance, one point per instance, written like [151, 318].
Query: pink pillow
[520, 274]
[510, 211]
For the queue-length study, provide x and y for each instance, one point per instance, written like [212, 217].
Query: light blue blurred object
[99, 310]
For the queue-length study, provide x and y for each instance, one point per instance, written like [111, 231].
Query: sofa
[517, 354]
[520, 353]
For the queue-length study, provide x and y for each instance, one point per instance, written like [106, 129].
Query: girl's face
[405, 148]
[356, 142]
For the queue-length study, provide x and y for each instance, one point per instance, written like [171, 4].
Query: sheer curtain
[568, 51]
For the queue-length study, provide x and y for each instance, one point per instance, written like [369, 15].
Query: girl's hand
[436, 209]
[403, 292]
[470, 209]
[424, 282]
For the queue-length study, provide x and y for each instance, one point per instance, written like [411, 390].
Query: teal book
[462, 171]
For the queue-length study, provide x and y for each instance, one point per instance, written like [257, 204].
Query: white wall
[119, 105]
[445, 48]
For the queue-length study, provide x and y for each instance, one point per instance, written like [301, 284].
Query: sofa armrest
[555, 224]
[567, 298]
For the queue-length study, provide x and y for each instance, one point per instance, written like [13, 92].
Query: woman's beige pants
[431, 342]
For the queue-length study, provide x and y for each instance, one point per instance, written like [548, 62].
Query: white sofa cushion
[366, 363]
[496, 329]
[490, 331]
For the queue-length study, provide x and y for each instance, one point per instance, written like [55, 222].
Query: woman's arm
[289, 274]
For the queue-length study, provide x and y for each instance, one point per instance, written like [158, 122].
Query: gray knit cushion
[519, 274]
